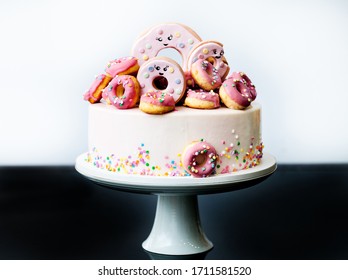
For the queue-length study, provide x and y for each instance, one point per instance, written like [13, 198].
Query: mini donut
[236, 94]
[94, 94]
[123, 92]
[205, 75]
[156, 102]
[122, 66]
[162, 36]
[199, 159]
[241, 76]
[213, 52]
[201, 99]
[164, 74]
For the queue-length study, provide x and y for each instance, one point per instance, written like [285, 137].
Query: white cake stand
[177, 227]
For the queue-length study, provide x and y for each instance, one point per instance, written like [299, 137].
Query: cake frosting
[183, 120]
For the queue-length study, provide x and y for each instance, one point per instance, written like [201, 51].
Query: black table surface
[54, 213]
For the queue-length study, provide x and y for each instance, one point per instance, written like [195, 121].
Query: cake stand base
[177, 229]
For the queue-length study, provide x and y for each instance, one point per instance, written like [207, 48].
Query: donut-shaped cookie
[235, 94]
[94, 94]
[199, 159]
[205, 75]
[122, 66]
[162, 36]
[213, 52]
[123, 92]
[201, 99]
[164, 74]
[157, 103]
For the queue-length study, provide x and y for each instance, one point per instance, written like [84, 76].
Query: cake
[186, 140]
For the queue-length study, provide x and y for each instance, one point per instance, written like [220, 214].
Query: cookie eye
[157, 68]
[170, 37]
[214, 51]
[222, 52]
[165, 68]
[159, 39]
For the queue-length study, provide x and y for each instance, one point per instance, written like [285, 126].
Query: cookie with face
[213, 52]
[162, 74]
[162, 36]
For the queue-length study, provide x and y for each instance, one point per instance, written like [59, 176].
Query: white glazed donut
[213, 52]
[162, 36]
[164, 74]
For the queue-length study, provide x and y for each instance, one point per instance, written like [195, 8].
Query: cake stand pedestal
[177, 229]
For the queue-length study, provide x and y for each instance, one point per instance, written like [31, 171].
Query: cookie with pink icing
[199, 159]
[162, 36]
[237, 91]
[123, 92]
[201, 99]
[164, 74]
[213, 52]
[157, 103]
[205, 75]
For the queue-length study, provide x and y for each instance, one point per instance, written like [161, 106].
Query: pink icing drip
[120, 65]
[158, 98]
[96, 83]
[210, 96]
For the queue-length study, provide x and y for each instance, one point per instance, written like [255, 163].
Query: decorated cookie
[164, 74]
[213, 52]
[162, 36]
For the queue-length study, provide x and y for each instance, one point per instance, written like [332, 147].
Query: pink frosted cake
[150, 116]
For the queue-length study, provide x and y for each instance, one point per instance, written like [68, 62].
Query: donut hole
[211, 59]
[171, 53]
[120, 91]
[200, 159]
[241, 87]
[160, 83]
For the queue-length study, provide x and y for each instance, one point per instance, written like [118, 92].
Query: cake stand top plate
[178, 185]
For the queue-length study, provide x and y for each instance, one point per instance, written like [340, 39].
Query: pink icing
[237, 91]
[208, 49]
[162, 36]
[120, 65]
[199, 159]
[210, 96]
[160, 67]
[130, 95]
[207, 73]
[96, 83]
[241, 76]
[158, 98]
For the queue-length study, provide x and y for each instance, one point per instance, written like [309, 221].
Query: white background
[295, 52]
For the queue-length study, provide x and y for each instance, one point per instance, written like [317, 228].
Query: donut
[94, 94]
[213, 52]
[163, 74]
[122, 66]
[205, 75]
[201, 99]
[123, 92]
[156, 102]
[241, 76]
[162, 36]
[237, 92]
[199, 159]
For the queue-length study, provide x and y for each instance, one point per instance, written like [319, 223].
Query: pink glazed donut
[201, 99]
[199, 159]
[213, 52]
[122, 66]
[163, 74]
[162, 36]
[237, 93]
[205, 74]
[122, 92]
